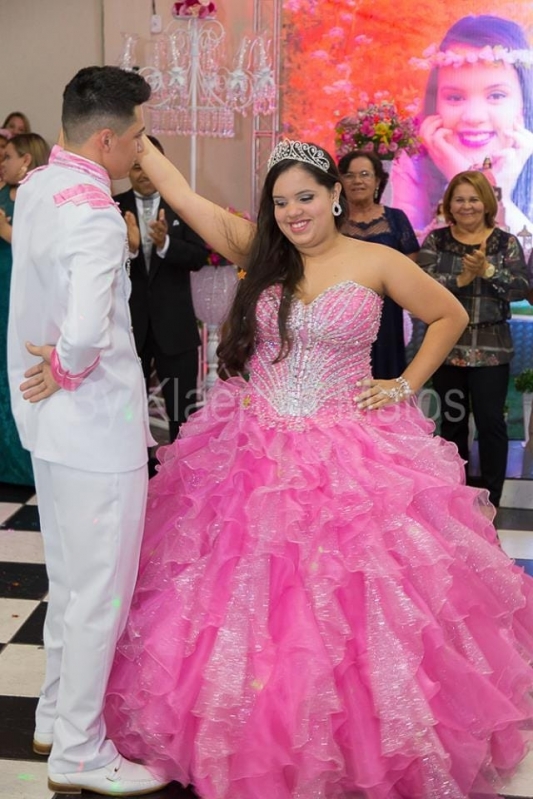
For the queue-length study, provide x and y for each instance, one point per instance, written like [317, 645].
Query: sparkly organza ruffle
[322, 613]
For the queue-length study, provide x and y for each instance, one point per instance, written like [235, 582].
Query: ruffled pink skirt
[320, 614]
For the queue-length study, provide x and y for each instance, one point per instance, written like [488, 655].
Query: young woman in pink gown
[322, 608]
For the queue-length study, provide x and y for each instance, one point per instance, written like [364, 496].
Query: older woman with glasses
[364, 180]
[484, 267]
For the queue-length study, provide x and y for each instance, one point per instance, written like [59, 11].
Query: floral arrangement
[379, 128]
[202, 9]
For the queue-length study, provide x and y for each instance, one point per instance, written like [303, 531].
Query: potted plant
[523, 383]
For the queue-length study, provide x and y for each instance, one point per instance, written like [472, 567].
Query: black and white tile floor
[23, 587]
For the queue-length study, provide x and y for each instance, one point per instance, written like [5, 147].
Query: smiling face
[360, 181]
[16, 125]
[14, 166]
[478, 103]
[467, 207]
[140, 182]
[302, 207]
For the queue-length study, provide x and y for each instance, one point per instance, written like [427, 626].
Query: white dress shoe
[42, 743]
[120, 778]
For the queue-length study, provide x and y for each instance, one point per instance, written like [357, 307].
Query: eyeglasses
[364, 175]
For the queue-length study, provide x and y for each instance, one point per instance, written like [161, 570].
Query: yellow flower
[382, 128]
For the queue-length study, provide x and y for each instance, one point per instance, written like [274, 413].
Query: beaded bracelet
[403, 391]
[405, 387]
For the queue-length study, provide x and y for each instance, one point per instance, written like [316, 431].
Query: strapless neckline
[331, 288]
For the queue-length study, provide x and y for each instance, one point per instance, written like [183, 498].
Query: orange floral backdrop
[336, 54]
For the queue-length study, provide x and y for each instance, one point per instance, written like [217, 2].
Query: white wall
[43, 44]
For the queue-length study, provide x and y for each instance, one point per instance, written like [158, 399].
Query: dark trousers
[178, 376]
[484, 390]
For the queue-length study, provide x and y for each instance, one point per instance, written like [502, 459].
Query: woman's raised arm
[228, 234]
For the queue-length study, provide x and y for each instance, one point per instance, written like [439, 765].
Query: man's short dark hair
[156, 143]
[101, 97]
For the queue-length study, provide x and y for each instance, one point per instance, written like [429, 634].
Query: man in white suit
[81, 411]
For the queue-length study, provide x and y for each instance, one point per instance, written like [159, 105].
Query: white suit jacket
[70, 289]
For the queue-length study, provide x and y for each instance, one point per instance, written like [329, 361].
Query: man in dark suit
[163, 252]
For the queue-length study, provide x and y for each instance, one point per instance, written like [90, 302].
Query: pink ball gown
[322, 608]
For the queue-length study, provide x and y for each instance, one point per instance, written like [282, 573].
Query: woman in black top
[484, 267]
[364, 180]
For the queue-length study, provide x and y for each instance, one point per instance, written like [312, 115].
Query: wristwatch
[489, 271]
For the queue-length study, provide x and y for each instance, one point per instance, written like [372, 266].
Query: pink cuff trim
[66, 380]
[84, 193]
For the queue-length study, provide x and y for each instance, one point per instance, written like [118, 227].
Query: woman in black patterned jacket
[484, 267]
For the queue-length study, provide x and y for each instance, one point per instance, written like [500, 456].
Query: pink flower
[201, 9]
[336, 33]
[321, 55]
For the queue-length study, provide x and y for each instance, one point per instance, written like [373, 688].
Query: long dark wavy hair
[273, 260]
[479, 31]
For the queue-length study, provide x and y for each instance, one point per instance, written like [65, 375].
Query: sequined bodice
[330, 352]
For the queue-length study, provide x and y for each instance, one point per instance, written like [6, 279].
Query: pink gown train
[322, 610]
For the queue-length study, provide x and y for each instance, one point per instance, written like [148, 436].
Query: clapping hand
[474, 265]
[5, 226]
[134, 234]
[159, 230]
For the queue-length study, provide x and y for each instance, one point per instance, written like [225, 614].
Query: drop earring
[336, 208]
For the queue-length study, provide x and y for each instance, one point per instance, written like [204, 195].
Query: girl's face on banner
[478, 103]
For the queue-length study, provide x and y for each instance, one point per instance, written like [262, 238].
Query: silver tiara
[289, 150]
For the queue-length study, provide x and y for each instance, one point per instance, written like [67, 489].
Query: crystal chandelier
[193, 92]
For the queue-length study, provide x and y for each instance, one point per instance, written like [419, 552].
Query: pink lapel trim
[61, 157]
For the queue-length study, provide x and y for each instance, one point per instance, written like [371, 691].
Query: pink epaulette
[84, 193]
[32, 173]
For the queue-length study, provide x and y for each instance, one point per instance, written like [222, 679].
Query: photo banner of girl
[464, 82]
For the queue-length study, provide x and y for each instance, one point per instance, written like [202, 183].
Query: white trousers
[92, 525]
